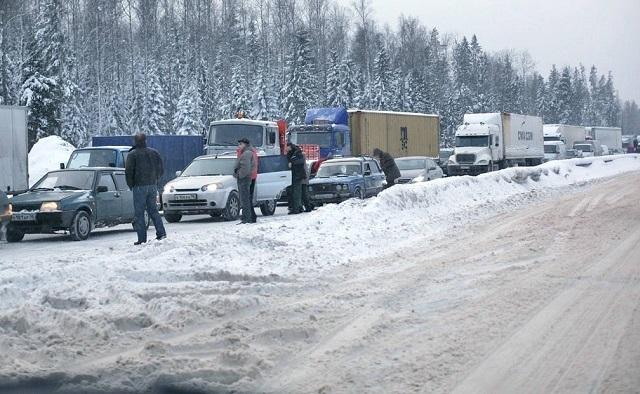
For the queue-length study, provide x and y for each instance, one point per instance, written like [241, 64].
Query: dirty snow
[46, 155]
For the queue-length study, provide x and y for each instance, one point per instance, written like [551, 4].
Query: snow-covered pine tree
[539, 95]
[188, 117]
[612, 106]
[205, 92]
[593, 107]
[239, 99]
[74, 120]
[118, 116]
[462, 66]
[154, 106]
[42, 90]
[579, 96]
[334, 97]
[349, 83]
[564, 95]
[262, 98]
[382, 93]
[552, 114]
[300, 90]
[408, 94]
[219, 90]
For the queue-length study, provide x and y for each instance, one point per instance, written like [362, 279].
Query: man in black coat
[389, 167]
[143, 169]
[298, 175]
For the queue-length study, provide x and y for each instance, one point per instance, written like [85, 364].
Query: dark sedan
[76, 201]
[340, 179]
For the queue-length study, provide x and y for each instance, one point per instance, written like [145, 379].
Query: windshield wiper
[41, 188]
[67, 187]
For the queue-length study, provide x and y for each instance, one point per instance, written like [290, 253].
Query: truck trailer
[568, 134]
[609, 136]
[491, 141]
[14, 149]
[338, 132]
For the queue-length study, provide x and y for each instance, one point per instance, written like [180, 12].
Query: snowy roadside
[57, 307]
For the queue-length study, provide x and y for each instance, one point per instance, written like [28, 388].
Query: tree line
[109, 67]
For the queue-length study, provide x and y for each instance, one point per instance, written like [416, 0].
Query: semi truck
[341, 132]
[568, 134]
[14, 149]
[609, 136]
[266, 136]
[490, 141]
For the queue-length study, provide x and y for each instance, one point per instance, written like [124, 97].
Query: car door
[369, 179]
[108, 203]
[126, 197]
[274, 176]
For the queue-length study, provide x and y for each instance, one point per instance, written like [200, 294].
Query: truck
[565, 133]
[490, 141]
[339, 132]
[177, 151]
[609, 136]
[14, 149]
[266, 136]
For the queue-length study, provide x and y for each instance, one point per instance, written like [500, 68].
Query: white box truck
[568, 134]
[491, 141]
[609, 136]
[14, 149]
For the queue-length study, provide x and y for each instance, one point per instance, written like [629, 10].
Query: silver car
[417, 169]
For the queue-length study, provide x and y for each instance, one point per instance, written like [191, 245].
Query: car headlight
[345, 187]
[338, 187]
[483, 162]
[211, 187]
[50, 206]
[169, 189]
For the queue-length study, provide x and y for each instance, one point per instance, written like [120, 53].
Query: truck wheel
[268, 208]
[232, 209]
[172, 217]
[14, 235]
[80, 226]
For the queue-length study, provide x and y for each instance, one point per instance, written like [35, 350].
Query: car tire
[80, 226]
[14, 235]
[268, 208]
[232, 209]
[173, 217]
[359, 193]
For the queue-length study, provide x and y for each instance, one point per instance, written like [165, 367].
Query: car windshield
[66, 180]
[551, 149]
[339, 169]
[322, 139]
[583, 147]
[472, 140]
[210, 167]
[93, 158]
[229, 134]
[411, 164]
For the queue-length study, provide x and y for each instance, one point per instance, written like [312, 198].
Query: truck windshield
[339, 169]
[583, 147]
[321, 139]
[210, 167]
[472, 140]
[551, 138]
[551, 149]
[411, 164]
[229, 134]
[66, 180]
[93, 158]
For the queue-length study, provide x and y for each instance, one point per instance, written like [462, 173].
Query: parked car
[443, 158]
[340, 179]
[76, 201]
[420, 168]
[207, 186]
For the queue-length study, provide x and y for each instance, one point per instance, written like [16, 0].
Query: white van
[207, 186]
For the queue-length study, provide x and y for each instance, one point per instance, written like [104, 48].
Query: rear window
[93, 158]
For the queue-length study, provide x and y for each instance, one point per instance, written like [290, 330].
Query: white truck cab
[223, 136]
[478, 147]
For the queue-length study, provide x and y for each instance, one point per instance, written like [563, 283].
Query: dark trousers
[246, 203]
[144, 199]
[296, 196]
[306, 202]
[252, 189]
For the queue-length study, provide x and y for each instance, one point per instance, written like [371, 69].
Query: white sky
[565, 32]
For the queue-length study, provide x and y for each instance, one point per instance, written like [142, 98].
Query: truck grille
[466, 158]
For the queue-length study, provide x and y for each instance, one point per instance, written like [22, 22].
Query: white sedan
[417, 169]
[207, 186]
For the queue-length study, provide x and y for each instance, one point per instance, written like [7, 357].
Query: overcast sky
[565, 32]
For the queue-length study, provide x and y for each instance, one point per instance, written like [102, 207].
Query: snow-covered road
[518, 279]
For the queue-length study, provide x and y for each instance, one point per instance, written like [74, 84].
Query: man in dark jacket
[143, 170]
[298, 174]
[389, 167]
[243, 171]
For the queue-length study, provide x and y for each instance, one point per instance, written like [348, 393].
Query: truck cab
[326, 130]
[478, 148]
[223, 136]
[554, 150]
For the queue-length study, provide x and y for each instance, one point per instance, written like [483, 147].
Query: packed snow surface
[46, 155]
[95, 295]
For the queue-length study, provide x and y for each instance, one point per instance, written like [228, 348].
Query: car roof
[114, 147]
[347, 159]
[211, 157]
[90, 169]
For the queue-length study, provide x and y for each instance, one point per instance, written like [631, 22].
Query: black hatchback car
[76, 201]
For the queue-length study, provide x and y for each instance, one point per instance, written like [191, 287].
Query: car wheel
[268, 208]
[172, 217]
[80, 226]
[359, 193]
[232, 210]
[14, 235]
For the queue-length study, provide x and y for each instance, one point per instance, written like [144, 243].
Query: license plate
[24, 217]
[183, 197]
[324, 196]
[465, 167]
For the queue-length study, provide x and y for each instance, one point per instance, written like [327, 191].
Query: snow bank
[46, 155]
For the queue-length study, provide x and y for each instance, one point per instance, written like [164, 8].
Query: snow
[46, 155]
[105, 293]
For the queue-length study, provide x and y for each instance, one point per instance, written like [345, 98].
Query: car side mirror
[62, 166]
[178, 173]
[102, 189]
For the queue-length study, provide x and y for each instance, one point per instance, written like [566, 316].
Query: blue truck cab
[327, 128]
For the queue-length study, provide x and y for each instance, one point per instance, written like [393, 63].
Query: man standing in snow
[243, 172]
[389, 167]
[298, 174]
[143, 170]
